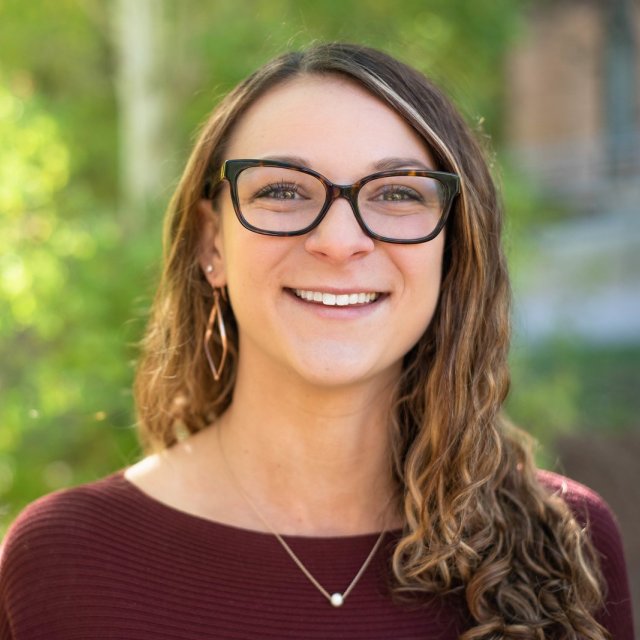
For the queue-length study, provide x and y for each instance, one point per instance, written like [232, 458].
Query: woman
[321, 383]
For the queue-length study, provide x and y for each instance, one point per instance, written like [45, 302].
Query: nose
[339, 236]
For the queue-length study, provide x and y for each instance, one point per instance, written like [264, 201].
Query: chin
[341, 372]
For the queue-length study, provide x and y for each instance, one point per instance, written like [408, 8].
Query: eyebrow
[385, 164]
[388, 164]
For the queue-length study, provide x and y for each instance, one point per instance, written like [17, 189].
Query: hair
[477, 521]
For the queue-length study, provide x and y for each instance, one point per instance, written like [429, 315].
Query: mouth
[356, 298]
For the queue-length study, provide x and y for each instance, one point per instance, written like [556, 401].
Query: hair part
[475, 514]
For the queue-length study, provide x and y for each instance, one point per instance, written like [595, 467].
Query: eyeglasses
[404, 206]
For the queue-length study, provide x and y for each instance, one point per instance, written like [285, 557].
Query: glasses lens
[279, 200]
[402, 207]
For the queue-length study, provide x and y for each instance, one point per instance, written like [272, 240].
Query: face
[283, 290]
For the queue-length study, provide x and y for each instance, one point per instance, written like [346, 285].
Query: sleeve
[5, 571]
[47, 562]
[33, 551]
[595, 515]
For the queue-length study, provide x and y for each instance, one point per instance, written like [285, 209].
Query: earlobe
[210, 245]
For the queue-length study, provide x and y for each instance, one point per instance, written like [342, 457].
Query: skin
[307, 432]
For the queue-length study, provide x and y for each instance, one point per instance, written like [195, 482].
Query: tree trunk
[143, 97]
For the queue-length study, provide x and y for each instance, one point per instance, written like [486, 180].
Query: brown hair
[475, 515]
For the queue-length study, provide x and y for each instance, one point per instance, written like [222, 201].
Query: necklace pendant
[337, 599]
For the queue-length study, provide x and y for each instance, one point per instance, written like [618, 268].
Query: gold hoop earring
[216, 319]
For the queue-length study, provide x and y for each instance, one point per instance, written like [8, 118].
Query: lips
[337, 299]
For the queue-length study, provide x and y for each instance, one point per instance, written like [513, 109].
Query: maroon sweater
[107, 561]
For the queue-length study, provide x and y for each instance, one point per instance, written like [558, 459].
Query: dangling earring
[215, 317]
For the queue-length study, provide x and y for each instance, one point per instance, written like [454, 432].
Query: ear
[211, 256]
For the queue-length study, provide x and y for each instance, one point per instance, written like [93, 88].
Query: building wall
[554, 76]
[561, 97]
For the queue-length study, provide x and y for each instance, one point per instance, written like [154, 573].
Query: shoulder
[591, 511]
[601, 526]
[588, 508]
[68, 510]
[65, 543]
[586, 504]
[66, 523]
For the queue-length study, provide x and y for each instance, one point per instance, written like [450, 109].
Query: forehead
[332, 122]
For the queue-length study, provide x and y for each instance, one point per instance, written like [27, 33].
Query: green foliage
[563, 385]
[64, 412]
[61, 51]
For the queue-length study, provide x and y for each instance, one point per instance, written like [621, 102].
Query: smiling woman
[319, 392]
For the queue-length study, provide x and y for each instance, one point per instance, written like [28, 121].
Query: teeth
[339, 300]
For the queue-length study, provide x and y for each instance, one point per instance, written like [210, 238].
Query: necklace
[336, 599]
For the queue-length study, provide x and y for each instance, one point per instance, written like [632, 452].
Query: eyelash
[276, 187]
[404, 191]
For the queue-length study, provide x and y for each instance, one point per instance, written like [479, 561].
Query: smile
[336, 300]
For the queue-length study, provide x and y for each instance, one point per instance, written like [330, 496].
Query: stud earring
[209, 268]
[216, 321]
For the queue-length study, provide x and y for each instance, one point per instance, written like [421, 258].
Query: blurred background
[99, 104]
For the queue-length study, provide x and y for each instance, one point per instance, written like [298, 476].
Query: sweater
[105, 560]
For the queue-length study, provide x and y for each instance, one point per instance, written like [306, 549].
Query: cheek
[250, 262]
[423, 275]
[422, 267]
[239, 270]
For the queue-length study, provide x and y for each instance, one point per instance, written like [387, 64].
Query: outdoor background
[99, 104]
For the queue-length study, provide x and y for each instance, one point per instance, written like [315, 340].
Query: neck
[315, 460]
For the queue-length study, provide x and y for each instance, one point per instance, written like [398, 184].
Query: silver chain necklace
[336, 599]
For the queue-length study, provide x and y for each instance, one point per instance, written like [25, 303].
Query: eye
[398, 193]
[279, 191]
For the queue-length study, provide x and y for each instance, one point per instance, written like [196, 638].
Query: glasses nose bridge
[347, 191]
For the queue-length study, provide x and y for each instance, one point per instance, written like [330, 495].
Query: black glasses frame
[231, 169]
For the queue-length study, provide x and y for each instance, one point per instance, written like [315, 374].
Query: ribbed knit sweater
[107, 561]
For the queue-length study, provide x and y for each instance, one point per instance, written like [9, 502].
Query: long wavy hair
[477, 521]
